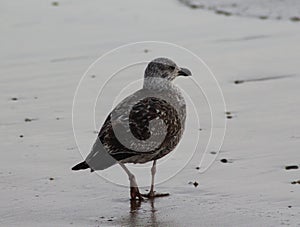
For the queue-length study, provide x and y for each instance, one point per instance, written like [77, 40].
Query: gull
[143, 127]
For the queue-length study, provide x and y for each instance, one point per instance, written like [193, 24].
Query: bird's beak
[184, 72]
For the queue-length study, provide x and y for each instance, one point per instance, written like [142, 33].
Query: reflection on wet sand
[141, 216]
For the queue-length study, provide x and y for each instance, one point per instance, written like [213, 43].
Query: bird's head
[166, 69]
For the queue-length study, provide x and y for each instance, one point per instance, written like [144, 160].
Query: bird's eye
[172, 68]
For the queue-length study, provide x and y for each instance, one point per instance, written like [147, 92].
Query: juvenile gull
[145, 126]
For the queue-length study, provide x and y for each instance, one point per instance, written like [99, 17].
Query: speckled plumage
[146, 125]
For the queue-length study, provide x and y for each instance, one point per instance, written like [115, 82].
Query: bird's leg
[134, 190]
[153, 171]
[152, 194]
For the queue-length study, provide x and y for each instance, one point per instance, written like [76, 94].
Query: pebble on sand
[291, 167]
[224, 160]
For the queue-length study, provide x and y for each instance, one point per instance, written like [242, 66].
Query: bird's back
[145, 126]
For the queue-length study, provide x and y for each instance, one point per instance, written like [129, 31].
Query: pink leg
[152, 193]
[134, 190]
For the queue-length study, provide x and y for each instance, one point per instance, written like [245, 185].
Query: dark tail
[81, 165]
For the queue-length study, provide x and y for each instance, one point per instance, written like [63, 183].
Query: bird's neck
[159, 84]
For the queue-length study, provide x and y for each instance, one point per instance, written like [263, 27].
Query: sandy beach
[46, 47]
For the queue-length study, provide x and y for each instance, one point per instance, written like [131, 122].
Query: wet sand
[45, 50]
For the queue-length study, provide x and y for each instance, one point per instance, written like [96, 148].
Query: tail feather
[81, 165]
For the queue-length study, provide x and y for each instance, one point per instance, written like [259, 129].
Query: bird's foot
[135, 194]
[152, 195]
